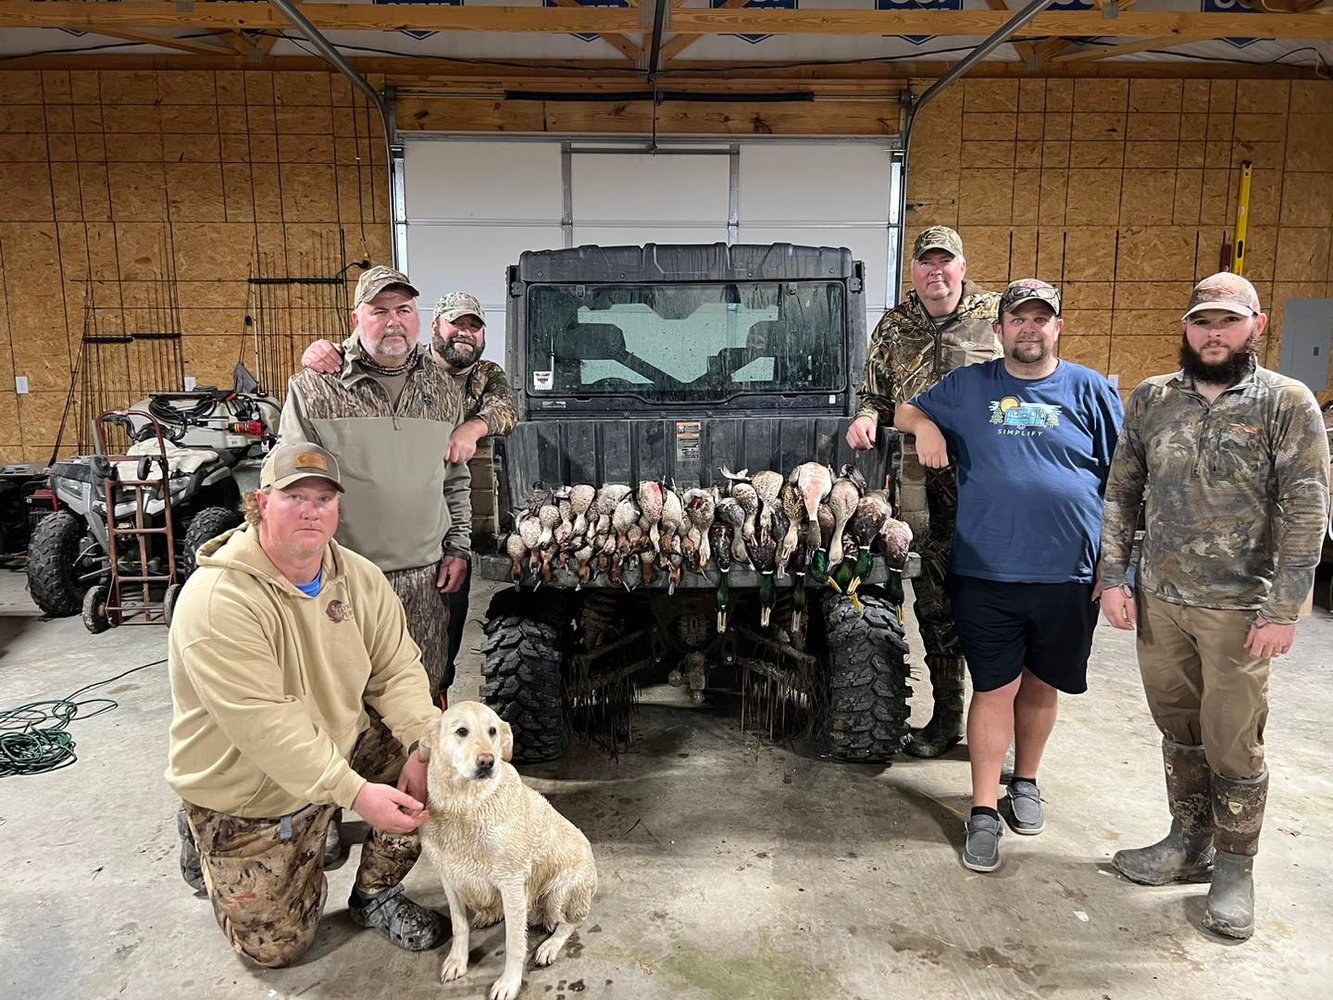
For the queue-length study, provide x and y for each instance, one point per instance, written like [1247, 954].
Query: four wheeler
[215, 442]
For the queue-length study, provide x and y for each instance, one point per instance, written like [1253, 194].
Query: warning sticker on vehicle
[687, 441]
[542, 380]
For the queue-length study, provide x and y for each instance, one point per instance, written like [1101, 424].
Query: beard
[394, 348]
[1228, 372]
[458, 353]
[1029, 352]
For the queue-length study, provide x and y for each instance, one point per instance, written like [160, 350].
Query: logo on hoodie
[338, 612]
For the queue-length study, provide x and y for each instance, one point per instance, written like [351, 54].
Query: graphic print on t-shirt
[1023, 419]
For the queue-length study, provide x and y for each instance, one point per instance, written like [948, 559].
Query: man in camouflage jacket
[944, 323]
[1229, 461]
[458, 339]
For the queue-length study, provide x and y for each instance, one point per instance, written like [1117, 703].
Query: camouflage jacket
[908, 353]
[487, 395]
[1236, 494]
[392, 458]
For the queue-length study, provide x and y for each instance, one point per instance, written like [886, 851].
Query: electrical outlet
[20, 384]
[190, 383]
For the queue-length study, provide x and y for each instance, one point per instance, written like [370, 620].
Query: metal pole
[326, 49]
[988, 46]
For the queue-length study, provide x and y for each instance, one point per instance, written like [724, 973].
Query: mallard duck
[719, 537]
[762, 552]
[793, 509]
[650, 496]
[813, 480]
[530, 530]
[606, 501]
[728, 509]
[842, 501]
[767, 485]
[516, 550]
[700, 505]
[670, 522]
[745, 495]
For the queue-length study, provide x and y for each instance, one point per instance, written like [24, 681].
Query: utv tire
[521, 675]
[95, 619]
[53, 572]
[169, 603]
[203, 527]
[868, 690]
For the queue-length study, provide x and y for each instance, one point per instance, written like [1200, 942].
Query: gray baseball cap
[1226, 291]
[1027, 290]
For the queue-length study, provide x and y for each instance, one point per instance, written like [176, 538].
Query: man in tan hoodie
[296, 689]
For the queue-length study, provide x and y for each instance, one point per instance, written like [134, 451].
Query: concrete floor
[730, 868]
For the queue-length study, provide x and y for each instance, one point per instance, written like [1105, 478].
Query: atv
[215, 441]
[674, 510]
[24, 501]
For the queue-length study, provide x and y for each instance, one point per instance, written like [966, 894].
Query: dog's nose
[485, 760]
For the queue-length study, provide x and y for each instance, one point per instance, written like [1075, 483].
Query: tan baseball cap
[1226, 291]
[290, 463]
[376, 280]
[937, 238]
[457, 304]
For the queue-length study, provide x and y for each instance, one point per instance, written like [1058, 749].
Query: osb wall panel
[118, 184]
[1123, 191]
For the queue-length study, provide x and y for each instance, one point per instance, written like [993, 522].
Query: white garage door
[472, 206]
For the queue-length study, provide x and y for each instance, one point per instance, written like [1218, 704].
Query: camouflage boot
[191, 868]
[407, 924]
[1238, 811]
[1186, 853]
[945, 728]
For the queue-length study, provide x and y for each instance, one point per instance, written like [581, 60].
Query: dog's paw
[453, 968]
[505, 988]
[547, 952]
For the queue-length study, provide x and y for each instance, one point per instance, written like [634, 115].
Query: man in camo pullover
[1229, 463]
[945, 322]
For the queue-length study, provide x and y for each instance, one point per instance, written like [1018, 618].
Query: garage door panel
[829, 182]
[628, 187]
[484, 180]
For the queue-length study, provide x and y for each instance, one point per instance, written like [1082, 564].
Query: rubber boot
[1238, 812]
[1186, 853]
[945, 728]
[334, 851]
[407, 924]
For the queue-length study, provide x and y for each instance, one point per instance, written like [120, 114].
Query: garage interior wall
[110, 175]
[1120, 190]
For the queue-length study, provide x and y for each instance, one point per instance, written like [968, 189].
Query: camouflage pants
[265, 877]
[427, 621]
[934, 614]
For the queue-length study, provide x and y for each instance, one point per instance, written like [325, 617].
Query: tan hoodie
[268, 685]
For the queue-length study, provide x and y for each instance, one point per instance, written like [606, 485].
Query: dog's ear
[506, 741]
[430, 740]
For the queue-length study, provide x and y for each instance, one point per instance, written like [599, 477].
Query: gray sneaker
[1026, 816]
[981, 849]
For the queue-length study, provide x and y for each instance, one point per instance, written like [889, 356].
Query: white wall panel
[625, 187]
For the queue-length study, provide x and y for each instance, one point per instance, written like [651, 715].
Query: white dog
[502, 850]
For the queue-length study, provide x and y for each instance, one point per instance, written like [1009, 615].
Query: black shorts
[1004, 627]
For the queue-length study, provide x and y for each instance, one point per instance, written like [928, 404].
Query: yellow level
[1242, 218]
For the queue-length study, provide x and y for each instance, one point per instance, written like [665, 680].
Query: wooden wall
[106, 175]
[1122, 192]
[1119, 190]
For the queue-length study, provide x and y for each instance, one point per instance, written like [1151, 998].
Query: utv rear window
[691, 342]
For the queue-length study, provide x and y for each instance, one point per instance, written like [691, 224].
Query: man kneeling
[296, 689]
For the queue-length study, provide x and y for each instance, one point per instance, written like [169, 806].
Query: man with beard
[1032, 438]
[944, 323]
[1231, 461]
[458, 339]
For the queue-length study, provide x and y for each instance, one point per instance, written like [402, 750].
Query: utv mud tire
[205, 526]
[521, 676]
[169, 603]
[868, 690]
[53, 572]
[95, 619]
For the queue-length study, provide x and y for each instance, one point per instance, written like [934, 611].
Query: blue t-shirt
[1032, 458]
[312, 588]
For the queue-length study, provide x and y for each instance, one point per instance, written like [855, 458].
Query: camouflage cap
[292, 462]
[457, 304]
[376, 280]
[1028, 290]
[1226, 291]
[937, 238]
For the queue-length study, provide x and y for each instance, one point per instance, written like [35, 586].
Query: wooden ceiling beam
[1094, 52]
[620, 43]
[249, 14]
[680, 43]
[195, 45]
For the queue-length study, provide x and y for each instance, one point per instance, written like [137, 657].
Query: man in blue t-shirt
[1031, 437]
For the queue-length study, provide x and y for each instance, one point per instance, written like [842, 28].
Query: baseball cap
[292, 462]
[1027, 290]
[937, 238]
[457, 304]
[1226, 291]
[376, 280]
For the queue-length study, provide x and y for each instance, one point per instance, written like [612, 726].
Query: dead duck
[719, 538]
[700, 505]
[767, 485]
[516, 550]
[671, 522]
[650, 496]
[813, 480]
[792, 506]
[842, 501]
[530, 531]
[604, 504]
[763, 553]
[728, 509]
[580, 500]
